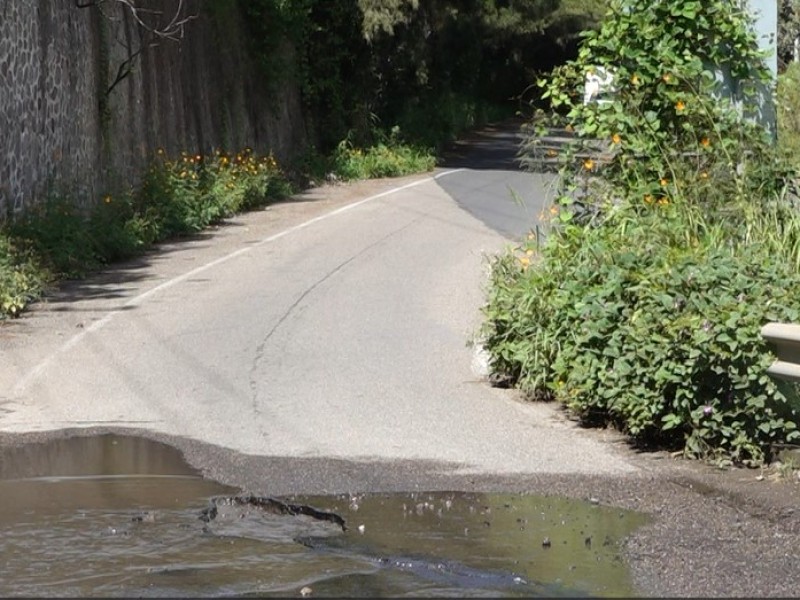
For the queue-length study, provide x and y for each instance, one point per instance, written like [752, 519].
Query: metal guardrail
[786, 338]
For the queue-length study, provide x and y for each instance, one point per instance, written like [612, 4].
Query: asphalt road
[344, 335]
[321, 346]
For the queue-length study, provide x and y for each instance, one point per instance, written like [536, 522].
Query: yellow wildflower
[705, 142]
[525, 261]
[635, 80]
[664, 182]
[648, 199]
[679, 105]
[616, 138]
[107, 199]
[588, 164]
[666, 77]
[703, 175]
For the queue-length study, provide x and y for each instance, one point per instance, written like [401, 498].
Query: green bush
[187, 194]
[389, 157]
[58, 232]
[22, 279]
[662, 341]
[674, 239]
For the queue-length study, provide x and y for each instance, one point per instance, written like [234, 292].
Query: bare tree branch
[153, 27]
[154, 22]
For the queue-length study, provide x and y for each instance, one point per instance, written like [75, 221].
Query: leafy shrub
[390, 157]
[57, 231]
[674, 240]
[188, 194]
[662, 341]
[670, 131]
[117, 231]
[22, 279]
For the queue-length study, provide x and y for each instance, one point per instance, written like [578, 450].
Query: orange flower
[705, 142]
[679, 105]
[588, 164]
[616, 138]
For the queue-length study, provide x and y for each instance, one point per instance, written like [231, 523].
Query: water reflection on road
[120, 516]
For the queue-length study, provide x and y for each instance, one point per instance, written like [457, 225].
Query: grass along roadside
[60, 238]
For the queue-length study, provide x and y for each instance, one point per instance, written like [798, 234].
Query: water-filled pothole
[124, 516]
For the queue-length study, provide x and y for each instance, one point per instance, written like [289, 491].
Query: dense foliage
[431, 67]
[670, 246]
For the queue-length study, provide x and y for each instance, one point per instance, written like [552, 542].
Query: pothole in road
[120, 516]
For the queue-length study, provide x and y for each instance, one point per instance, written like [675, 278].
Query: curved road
[340, 332]
[319, 346]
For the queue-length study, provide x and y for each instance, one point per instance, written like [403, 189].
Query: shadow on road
[494, 187]
[493, 147]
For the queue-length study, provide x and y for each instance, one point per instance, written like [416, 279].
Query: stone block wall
[61, 132]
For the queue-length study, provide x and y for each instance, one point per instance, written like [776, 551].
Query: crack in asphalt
[260, 350]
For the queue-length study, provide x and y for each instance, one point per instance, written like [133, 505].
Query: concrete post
[765, 13]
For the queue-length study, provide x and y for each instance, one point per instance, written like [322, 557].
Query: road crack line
[260, 350]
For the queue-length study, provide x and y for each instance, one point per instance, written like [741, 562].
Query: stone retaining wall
[57, 62]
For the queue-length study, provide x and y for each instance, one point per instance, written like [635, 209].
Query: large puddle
[123, 516]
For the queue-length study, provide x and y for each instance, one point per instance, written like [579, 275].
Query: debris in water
[270, 505]
[546, 542]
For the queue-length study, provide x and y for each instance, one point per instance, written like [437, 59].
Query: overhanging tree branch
[149, 20]
[153, 26]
